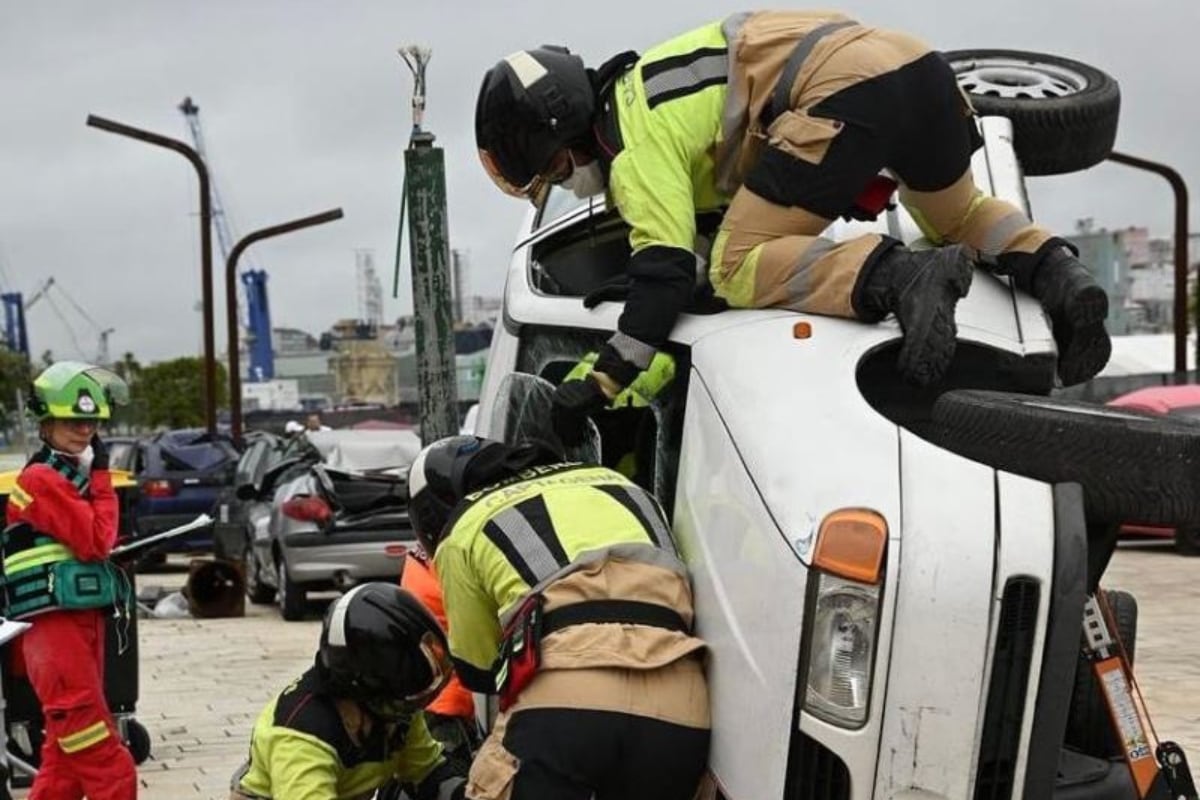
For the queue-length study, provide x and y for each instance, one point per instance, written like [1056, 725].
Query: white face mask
[585, 181]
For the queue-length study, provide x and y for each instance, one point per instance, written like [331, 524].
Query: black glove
[99, 453]
[574, 401]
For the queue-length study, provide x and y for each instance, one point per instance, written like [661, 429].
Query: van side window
[642, 443]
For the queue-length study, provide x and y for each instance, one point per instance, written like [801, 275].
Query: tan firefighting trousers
[864, 100]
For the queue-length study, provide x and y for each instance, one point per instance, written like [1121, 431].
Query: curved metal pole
[206, 282]
[235, 368]
[1181, 253]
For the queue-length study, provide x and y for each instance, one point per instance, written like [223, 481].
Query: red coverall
[64, 650]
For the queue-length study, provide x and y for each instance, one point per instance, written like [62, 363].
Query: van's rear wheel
[1064, 113]
[1089, 729]
[1133, 466]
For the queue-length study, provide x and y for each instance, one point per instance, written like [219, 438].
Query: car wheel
[291, 596]
[1133, 466]
[1187, 541]
[153, 561]
[1064, 113]
[256, 591]
[137, 739]
[1089, 729]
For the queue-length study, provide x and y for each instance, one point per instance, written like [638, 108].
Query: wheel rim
[1014, 78]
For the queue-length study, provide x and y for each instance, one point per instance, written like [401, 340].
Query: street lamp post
[235, 373]
[206, 282]
[1181, 255]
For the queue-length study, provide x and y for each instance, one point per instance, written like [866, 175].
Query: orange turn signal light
[802, 330]
[851, 543]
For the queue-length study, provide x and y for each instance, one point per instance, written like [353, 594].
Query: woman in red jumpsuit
[71, 501]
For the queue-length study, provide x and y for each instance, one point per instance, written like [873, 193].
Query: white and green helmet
[75, 390]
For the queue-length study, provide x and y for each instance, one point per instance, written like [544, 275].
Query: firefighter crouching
[565, 596]
[61, 525]
[353, 721]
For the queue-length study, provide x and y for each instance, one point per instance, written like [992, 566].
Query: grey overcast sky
[305, 106]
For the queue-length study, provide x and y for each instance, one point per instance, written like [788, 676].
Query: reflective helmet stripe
[337, 617]
[416, 475]
[527, 68]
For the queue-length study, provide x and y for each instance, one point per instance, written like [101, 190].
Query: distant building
[1105, 254]
[1138, 272]
[366, 361]
[292, 340]
[299, 359]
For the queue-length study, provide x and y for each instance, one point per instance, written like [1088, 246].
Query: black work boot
[1077, 307]
[921, 288]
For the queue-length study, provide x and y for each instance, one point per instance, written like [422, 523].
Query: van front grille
[1011, 666]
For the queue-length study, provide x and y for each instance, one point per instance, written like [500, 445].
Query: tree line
[166, 394]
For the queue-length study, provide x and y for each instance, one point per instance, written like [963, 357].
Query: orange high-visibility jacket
[419, 578]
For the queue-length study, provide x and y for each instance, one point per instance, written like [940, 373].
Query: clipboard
[201, 521]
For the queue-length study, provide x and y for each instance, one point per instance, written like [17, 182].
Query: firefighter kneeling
[565, 595]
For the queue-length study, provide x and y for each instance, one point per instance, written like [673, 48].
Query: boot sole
[927, 365]
[1089, 307]
[1086, 353]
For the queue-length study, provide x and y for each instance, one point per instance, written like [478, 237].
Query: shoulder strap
[782, 96]
[607, 128]
[69, 471]
[62, 466]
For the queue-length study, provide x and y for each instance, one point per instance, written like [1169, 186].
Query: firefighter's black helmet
[531, 105]
[381, 647]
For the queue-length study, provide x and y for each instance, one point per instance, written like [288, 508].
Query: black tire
[257, 592]
[1064, 113]
[1187, 541]
[1089, 728]
[1133, 466]
[137, 739]
[291, 597]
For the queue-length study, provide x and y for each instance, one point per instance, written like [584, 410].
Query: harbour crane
[257, 319]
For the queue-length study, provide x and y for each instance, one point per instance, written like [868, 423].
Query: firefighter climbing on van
[565, 597]
[61, 525]
[354, 720]
[783, 121]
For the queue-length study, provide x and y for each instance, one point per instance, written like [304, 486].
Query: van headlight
[841, 655]
[842, 616]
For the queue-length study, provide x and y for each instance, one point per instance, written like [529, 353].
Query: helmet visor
[384, 704]
[440, 670]
[114, 385]
[68, 390]
[534, 191]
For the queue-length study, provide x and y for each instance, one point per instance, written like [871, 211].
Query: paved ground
[205, 681]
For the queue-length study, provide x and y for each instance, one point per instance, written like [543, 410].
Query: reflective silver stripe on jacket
[680, 75]
[646, 554]
[525, 534]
